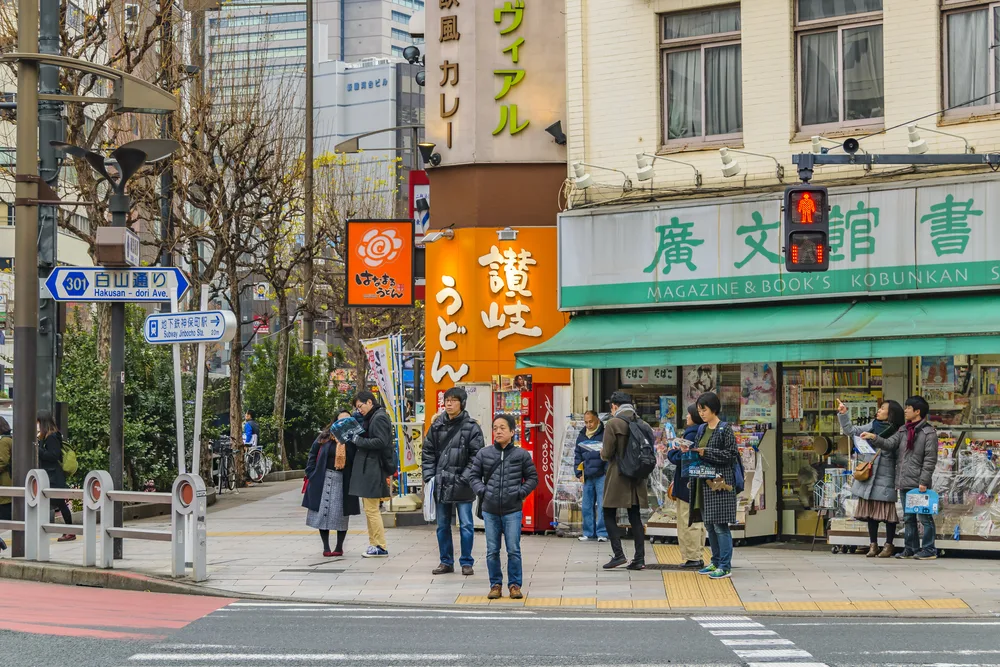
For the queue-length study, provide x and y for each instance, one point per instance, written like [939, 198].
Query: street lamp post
[130, 158]
[307, 316]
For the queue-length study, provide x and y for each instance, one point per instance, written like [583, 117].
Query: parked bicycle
[256, 463]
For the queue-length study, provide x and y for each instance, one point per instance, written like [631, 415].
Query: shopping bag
[430, 507]
[921, 503]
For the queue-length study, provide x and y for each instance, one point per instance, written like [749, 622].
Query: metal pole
[50, 128]
[307, 318]
[166, 129]
[26, 250]
[119, 206]
[199, 395]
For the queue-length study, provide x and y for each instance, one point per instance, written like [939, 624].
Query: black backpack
[639, 458]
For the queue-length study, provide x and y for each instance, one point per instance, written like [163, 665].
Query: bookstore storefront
[673, 299]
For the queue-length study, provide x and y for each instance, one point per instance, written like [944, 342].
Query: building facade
[682, 120]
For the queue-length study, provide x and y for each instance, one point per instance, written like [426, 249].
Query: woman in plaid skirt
[714, 500]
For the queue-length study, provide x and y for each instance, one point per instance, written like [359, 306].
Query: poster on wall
[698, 380]
[937, 380]
[668, 409]
[758, 393]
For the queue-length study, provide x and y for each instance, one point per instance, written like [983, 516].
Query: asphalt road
[175, 631]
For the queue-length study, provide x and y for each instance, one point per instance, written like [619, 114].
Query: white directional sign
[210, 326]
[94, 283]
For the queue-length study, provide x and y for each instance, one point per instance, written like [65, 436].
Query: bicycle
[226, 474]
[257, 464]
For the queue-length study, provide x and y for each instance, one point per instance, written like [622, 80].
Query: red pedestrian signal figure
[806, 228]
[806, 208]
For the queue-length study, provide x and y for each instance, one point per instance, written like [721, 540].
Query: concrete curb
[72, 575]
[284, 475]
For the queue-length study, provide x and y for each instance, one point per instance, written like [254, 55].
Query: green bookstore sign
[917, 239]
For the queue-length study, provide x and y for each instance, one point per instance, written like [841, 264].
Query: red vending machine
[537, 429]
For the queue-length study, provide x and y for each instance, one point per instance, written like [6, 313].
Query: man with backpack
[376, 454]
[627, 446]
[451, 444]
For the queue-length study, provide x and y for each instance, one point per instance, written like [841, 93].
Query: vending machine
[533, 408]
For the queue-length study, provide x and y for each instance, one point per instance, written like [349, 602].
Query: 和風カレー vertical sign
[379, 263]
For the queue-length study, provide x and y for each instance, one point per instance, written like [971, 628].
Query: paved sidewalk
[263, 547]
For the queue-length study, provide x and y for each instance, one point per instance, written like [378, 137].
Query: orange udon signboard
[379, 258]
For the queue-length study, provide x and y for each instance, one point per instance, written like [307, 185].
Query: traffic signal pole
[26, 252]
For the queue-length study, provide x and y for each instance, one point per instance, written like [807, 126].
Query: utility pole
[50, 128]
[166, 129]
[26, 251]
[307, 316]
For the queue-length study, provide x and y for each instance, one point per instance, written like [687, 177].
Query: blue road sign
[95, 283]
[210, 326]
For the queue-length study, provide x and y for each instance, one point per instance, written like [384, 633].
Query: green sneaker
[720, 574]
[707, 570]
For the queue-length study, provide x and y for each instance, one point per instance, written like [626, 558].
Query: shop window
[702, 82]
[840, 63]
[971, 71]
[812, 447]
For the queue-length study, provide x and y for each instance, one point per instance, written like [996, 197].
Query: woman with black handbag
[328, 478]
[875, 476]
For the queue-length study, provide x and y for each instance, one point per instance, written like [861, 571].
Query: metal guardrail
[187, 501]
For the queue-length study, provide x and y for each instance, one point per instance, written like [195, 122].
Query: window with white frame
[840, 63]
[702, 75]
[971, 62]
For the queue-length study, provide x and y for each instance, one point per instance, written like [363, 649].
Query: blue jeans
[912, 539]
[721, 540]
[508, 525]
[593, 498]
[445, 522]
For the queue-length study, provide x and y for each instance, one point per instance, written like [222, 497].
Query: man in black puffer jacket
[502, 476]
[451, 443]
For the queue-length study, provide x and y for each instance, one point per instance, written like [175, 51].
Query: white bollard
[36, 513]
[95, 500]
[189, 500]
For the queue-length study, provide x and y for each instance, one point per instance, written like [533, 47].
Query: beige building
[682, 119]
[684, 78]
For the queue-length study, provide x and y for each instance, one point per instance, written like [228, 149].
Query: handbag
[863, 471]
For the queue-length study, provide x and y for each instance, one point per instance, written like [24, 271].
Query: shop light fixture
[730, 167]
[584, 180]
[556, 131]
[918, 146]
[437, 236]
[645, 162]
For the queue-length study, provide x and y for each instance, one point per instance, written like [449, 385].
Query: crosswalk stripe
[758, 642]
[743, 633]
[772, 653]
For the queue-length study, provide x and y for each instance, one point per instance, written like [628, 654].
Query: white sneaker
[584, 538]
[602, 539]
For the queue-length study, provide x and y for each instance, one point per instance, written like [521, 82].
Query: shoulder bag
[863, 471]
[486, 483]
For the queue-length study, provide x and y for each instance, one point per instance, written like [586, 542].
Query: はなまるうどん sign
[379, 258]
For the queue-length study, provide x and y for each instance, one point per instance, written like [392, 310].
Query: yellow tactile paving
[872, 605]
[841, 605]
[542, 602]
[762, 606]
[508, 602]
[649, 604]
[265, 533]
[615, 604]
[947, 603]
[798, 606]
[472, 599]
[903, 605]
[689, 589]
[670, 554]
[578, 602]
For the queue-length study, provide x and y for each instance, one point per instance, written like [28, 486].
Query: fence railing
[187, 501]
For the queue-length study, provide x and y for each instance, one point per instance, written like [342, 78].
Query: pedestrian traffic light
[807, 228]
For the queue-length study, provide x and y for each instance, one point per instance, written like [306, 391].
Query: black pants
[890, 531]
[62, 507]
[615, 533]
[5, 511]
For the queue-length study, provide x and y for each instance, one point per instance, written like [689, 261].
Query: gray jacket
[881, 485]
[914, 467]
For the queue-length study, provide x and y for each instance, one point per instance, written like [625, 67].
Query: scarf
[591, 434]
[622, 408]
[911, 434]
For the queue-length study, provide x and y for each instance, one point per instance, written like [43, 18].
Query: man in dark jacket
[622, 491]
[916, 445]
[590, 468]
[375, 449]
[452, 442]
[503, 475]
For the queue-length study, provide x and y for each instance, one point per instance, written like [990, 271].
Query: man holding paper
[916, 446]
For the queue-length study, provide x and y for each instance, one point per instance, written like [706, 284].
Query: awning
[865, 330]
